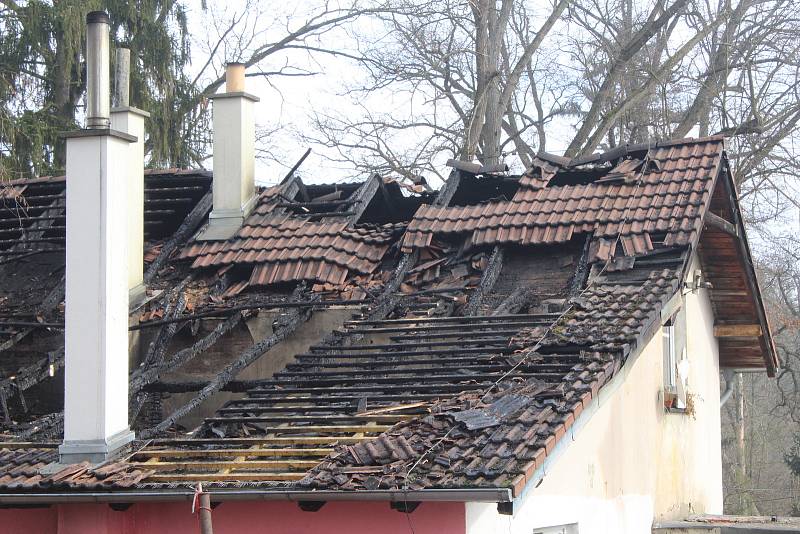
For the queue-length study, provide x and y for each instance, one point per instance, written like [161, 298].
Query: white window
[670, 358]
[562, 529]
[676, 365]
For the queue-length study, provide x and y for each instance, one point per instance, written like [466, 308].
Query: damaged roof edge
[485, 495]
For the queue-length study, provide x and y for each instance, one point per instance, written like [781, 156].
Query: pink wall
[236, 518]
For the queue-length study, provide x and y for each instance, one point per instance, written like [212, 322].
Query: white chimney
[234, 190]
[130, 120]
[96, 344]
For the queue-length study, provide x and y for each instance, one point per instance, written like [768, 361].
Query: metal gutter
[487, 495]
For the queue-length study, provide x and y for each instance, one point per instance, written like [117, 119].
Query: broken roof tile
[652, 199]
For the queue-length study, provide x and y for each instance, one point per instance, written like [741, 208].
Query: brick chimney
[234, 193]
[96, 344]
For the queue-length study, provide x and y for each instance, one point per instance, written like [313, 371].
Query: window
[670, 358]
[563, 529]
[676, 365]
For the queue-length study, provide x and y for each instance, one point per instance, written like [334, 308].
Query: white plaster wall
[627, 462]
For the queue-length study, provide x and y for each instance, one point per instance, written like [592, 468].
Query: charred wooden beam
[466, 334]
[455, 327]
[410, 379]
[147, 376]
[489, 342]
[436, 387]
[175, 189]
[26, 199]
[459, 319]
[46, 367]
[388, 299]
[223, 453]
[158, 346]
[370, 372]
[316, 216]
[222, 312]
[288, 323]
[498, 349]
[257, 388]
[449, 189]
[294, 418]
[25, 251]
[363, 196]
[160, 201]
[278, 400]
[329, 205]
[24, 229]
[519, 298]
[175, 306]
[296, 166]
[46, 427]
[24, 240]
[582, 270]
[488, 279]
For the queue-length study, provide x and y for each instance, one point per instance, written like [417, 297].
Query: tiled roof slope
[284, 247]
[499, 439]
[675, 184]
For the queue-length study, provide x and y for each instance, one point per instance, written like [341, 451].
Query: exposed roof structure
[481, 321]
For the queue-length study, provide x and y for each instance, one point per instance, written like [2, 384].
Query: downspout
[728, 374]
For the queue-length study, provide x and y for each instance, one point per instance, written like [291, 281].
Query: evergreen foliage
[43, 79]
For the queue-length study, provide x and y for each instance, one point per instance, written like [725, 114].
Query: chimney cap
[234, 77]
[94, 17]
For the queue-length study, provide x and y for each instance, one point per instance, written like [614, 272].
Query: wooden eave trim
[746, 259]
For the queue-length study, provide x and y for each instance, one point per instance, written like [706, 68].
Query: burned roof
[474, 324]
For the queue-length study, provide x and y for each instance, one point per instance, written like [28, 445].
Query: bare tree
[492, 78]
[463, 65]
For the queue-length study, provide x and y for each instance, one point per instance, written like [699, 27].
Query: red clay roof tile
[668, 198]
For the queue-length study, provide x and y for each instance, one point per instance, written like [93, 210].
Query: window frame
[674, 352]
